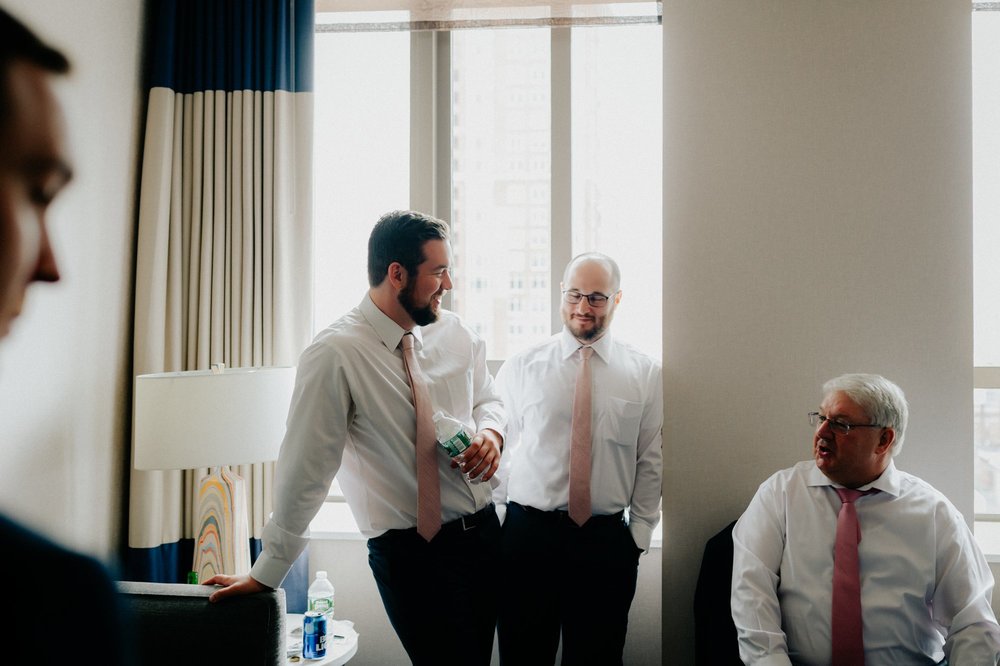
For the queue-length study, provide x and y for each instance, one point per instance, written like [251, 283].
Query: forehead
[32, 132]
[437, 253]
[588, 276]
[839, 403]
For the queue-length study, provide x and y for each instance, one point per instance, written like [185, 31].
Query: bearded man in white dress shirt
[558, 575]
[353, 414]
[925, 587]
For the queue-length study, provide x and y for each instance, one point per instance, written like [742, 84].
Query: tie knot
[848, 495]
[406, 343]
[586, 352]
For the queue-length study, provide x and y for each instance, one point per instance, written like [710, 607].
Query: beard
[587, 335]
[421, 315]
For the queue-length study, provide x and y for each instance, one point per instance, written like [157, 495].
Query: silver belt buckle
[472, 525]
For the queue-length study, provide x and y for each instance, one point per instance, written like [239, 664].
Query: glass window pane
[501, 185]
[361, 157]
[617, 173]
[987, 466]
[986, 184]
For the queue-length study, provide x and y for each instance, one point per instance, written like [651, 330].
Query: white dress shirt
[925, 585]
[352, 412]
[537, 386]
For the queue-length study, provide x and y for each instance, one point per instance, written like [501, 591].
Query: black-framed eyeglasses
[596, 299]
[816, 419]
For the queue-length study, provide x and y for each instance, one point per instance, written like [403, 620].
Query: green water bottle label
[457, 444]
[321, 604]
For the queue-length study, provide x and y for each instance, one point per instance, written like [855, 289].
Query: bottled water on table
[320, 595]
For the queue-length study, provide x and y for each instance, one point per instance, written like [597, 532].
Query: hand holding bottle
[477, 456]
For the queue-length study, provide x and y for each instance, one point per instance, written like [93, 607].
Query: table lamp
[213, 418]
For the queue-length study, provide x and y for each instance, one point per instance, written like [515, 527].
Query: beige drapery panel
[224, 267]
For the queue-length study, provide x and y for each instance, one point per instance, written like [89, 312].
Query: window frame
[431, 189]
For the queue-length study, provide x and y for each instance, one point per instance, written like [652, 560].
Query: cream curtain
[223, 267]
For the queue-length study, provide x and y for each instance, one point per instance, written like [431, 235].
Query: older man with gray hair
[845, 559]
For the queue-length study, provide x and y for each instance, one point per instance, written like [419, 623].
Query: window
[535, 143]
[986, 230]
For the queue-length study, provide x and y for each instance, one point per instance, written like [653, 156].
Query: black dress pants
[441, 596]
[558, 576]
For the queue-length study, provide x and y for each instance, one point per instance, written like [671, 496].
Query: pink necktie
[579, 455]
[846, 626]
[428, 483]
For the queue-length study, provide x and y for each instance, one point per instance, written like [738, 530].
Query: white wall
[357, 599]
[817, 204]
[63, 371]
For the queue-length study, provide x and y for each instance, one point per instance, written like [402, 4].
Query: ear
[886, 440]
[618, 297]
[397, 275]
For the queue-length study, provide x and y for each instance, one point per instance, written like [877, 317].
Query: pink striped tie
[428, 483]
[579, 455]
[846, 623]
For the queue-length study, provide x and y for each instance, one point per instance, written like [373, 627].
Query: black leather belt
[469, 522]
[562, 514]
[453, 528]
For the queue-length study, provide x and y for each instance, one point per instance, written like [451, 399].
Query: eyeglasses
[596, 299]
[839, 427]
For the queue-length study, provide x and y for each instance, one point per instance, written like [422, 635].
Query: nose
[583, 307]
[446, 280]
[47, 269]
[825, 431]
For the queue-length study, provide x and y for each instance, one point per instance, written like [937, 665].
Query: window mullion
[430, 126]
[561, 206]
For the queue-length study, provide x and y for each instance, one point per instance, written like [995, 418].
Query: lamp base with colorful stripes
[222, 542]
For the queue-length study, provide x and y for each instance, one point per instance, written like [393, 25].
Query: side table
[341, 642]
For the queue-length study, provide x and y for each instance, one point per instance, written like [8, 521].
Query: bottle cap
[320, 574]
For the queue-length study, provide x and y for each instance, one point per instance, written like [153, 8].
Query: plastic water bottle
[451, 434]
[454, 439]
[320, 595]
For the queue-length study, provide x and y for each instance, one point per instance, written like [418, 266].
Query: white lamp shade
[205, 418]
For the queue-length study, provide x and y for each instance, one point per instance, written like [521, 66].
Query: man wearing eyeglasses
[844, 559]
[569, 554]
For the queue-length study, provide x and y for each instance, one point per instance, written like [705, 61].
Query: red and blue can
[314, 635]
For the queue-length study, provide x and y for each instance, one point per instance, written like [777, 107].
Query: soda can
[314, 635]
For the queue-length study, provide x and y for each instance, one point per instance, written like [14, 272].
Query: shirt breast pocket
[620, 422]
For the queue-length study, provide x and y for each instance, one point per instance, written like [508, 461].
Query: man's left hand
[482, 457]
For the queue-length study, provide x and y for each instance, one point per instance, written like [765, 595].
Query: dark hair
[399, 236]
[17, 42]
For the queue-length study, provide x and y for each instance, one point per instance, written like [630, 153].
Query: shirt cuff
[773, 660]
[492, 425]
[281, 549]
[642, 534]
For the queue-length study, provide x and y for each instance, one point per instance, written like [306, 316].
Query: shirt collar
[388, 331]
[887, 483]
[569, 344]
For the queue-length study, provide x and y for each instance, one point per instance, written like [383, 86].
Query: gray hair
[598, 257]
[882, 401]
